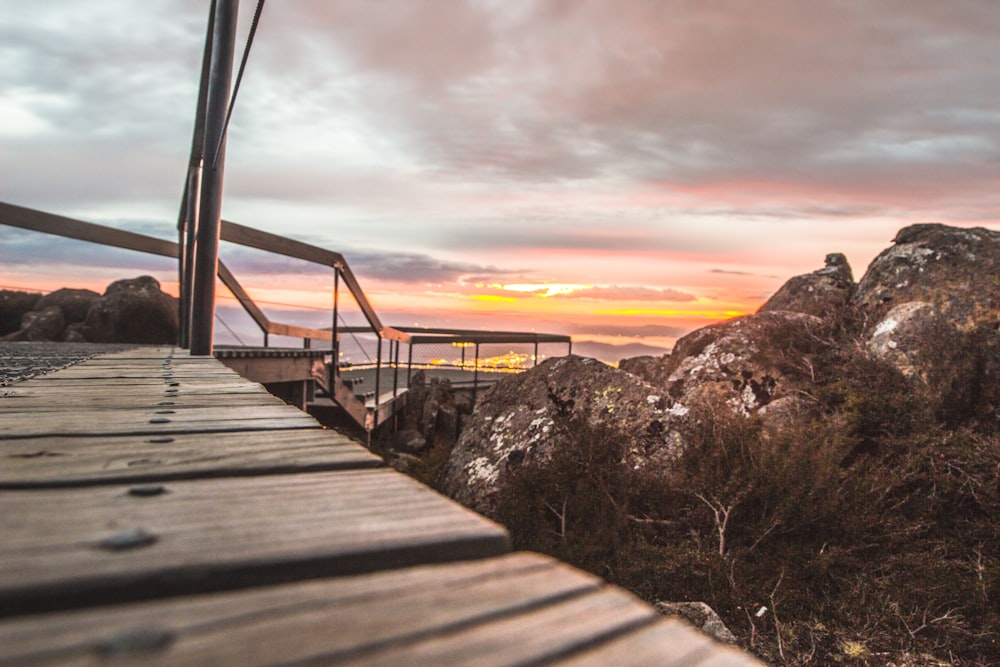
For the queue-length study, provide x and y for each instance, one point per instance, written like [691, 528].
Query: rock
[433, 410]
[821, 293]
[523, 418]
[649, 368]
[40, 325]
[957, 271]
[133, 311]
[701, 616]
[13, 306]
[75, 303]
[409, 441]
[404, 463]
[748, 362]
[903, 334]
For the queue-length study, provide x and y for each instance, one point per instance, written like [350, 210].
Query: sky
[622, 171]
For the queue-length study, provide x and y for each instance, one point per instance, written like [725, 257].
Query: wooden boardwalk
[157, 508]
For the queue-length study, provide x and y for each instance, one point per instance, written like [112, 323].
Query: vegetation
[869, 534]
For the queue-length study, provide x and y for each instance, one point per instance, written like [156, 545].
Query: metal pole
[536, 354]
[378, 375]
[210, 209]
[187, 223]
[395, 370]
[409, 363]
[335, 343]
[190, 251]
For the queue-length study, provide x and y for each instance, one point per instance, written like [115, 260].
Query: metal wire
[239, 79]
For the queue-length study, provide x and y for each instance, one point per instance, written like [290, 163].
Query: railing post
[335, 343]
[536, 354]
[395, 370]
[409, 363]
[378, 375]
[210, 210]
[188, 223]
[475, 377]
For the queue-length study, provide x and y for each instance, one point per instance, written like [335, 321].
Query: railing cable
[232, 333]
[239, 79]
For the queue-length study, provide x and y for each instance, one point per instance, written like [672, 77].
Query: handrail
[25, 218]
[50, 223]
[255, 238]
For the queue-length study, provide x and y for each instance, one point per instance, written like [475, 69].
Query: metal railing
[414, 338]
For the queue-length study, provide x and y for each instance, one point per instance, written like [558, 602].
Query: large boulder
[525, 417]
[75, 303]
[649, 368]
[40, 325]
[133, 311]
[957, 271]
[821, 293]
[748, 363]
[13, 306]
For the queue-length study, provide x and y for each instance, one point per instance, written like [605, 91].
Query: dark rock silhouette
[13, 306]
[40, 325]
[819, 293]
[74, 303]
[129, 311]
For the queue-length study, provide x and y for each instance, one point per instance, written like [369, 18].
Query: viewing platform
[159, 508]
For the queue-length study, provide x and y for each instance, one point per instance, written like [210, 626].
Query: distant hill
[612, 354]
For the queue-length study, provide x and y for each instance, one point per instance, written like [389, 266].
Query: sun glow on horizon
[543, 290]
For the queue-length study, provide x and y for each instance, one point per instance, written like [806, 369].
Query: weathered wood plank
[225, 533]
[540, 635]
[154, 422]
[331, 620]
[78, 461]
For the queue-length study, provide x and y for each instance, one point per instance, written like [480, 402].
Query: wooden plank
[538, 636]
[324, 619]
[139, 400]
[154, 422]
[225, 533]
[78, 461]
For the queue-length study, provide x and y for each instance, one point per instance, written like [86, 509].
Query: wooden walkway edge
[158, 508]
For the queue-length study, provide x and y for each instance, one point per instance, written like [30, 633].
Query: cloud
[622, 293]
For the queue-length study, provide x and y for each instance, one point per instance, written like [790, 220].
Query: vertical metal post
[395, 370]
[536, 354]
[378, 375]
[187, 223]
[475, 376]
[335, 343]
[409, 363]
[206, 259]
[190, 251]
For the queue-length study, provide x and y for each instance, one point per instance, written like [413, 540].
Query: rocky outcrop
[957, 271]
[129, 311]
[648, 368]
[701, 616]
[14, 306]
[820, 293]
[523, 418]
[922, 298]
[934, 285]
[748, 362]
[133, 311]
[40, 325]
[74, 303]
